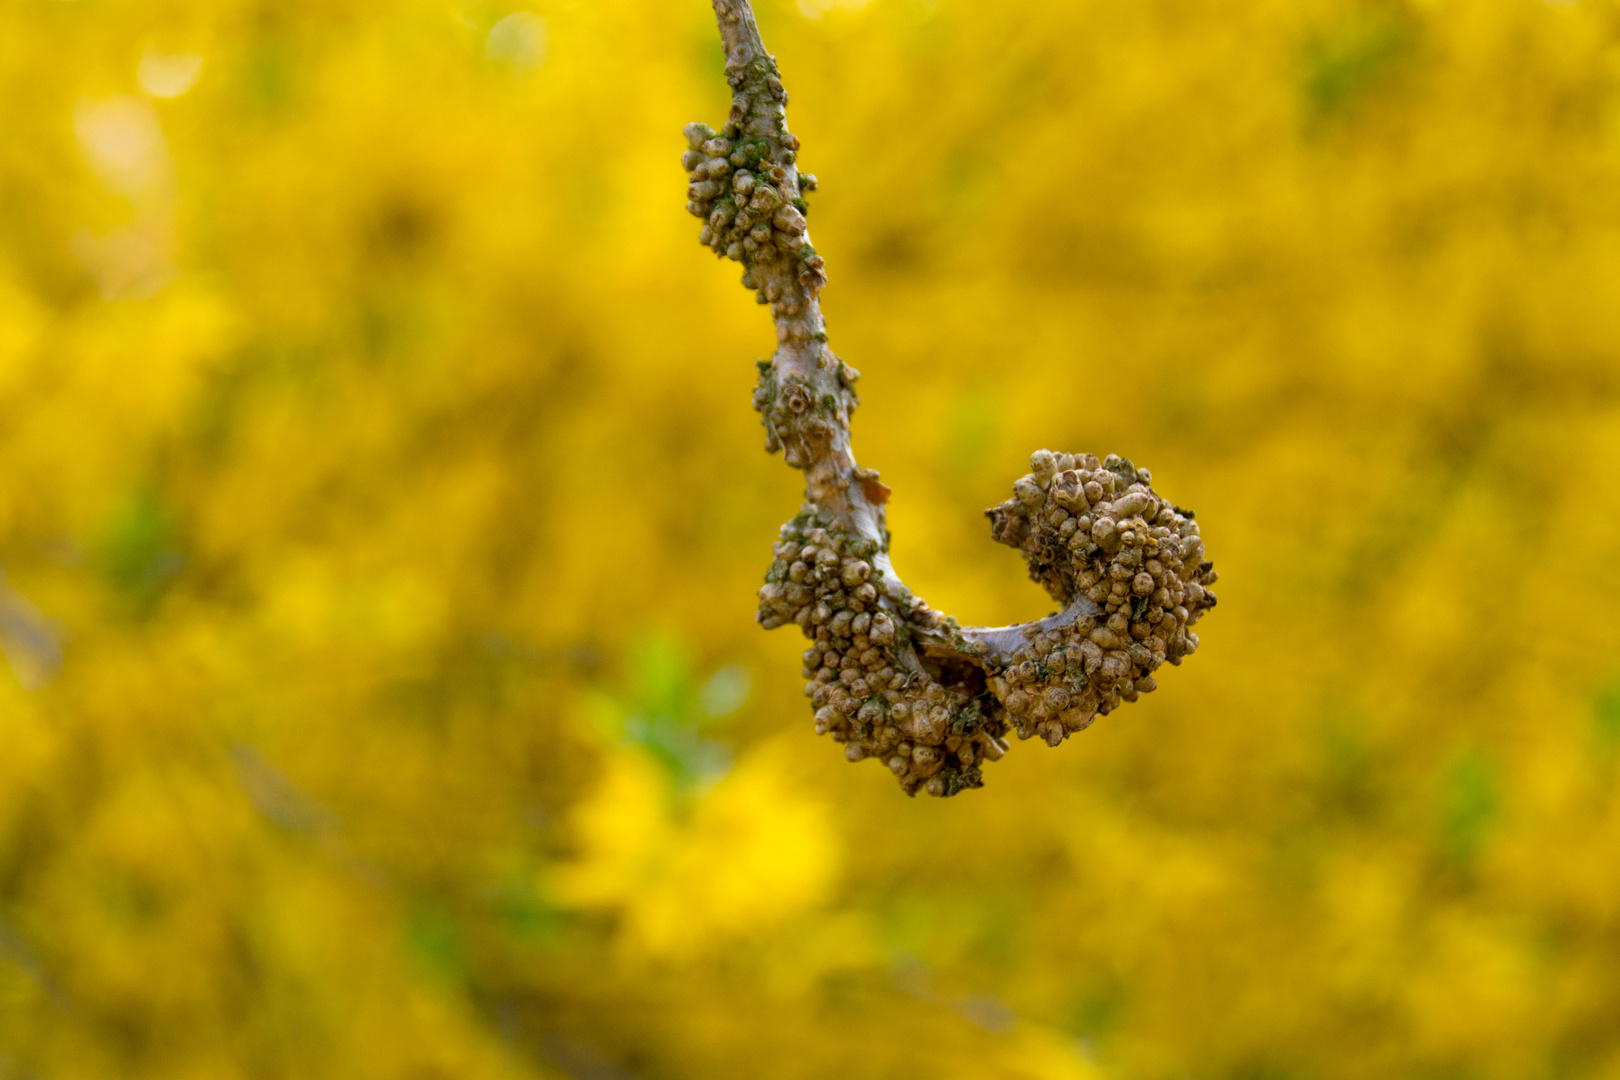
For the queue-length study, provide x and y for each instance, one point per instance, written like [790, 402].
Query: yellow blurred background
[381, 513]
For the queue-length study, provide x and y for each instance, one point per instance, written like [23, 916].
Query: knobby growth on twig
[890, 677]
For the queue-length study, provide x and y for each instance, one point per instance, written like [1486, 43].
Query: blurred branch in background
[31, 645]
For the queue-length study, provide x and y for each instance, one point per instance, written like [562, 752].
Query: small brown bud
[1069, 491]
[765, 201]
[1103, 637]
[1105, 534]
[697, 133]
[1132, 504]
[789, 220]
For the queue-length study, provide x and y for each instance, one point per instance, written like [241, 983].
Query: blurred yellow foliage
[752, 855]
[381, 514]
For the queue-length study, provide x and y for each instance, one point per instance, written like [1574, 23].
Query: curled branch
[890, 677]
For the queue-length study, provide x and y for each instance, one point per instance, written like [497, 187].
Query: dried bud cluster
[1097, 533]
[866, 685]
[890, 677]
[745, 184]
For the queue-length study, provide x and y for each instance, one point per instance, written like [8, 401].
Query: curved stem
[890, 676]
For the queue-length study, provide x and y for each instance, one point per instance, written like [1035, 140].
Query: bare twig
[889, 676]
